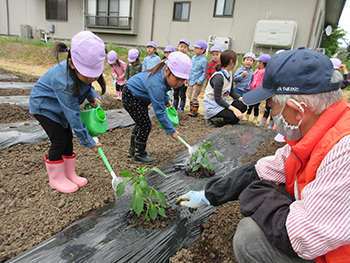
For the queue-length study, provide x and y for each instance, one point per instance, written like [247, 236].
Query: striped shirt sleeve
[320, 221]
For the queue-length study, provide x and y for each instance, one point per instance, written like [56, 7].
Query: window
[56, 9]
[224, 8]
[181, 11]
[109, 13]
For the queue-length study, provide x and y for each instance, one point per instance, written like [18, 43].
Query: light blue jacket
[242, 85]
[150, 62]
[153, 90]
[52, 97]
[197, 74]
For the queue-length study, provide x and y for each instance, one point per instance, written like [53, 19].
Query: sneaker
[262, 123]
[218, 121]
[271, 124]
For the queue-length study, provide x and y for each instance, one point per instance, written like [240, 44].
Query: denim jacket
[52, 97]
[153, 90]
[197, 74]
[243, 84]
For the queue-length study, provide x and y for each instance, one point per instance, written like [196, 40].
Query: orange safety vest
[307, 154]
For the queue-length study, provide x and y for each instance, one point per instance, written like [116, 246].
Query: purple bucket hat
[169, 48]
[264, 58]
[201, 44]
[179, 64]
[216, 48]
[152, 44]
[249, 55]
[112, 57]
[184, 40]
[133, 54]
[88, 54]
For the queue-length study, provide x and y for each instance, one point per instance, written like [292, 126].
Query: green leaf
[195, 167]
[141, 170]
[210, 167]
[147, 217]
[126, 174]
[153, 212]
[161, 211]
[121, 188]
[203, 151]
[159, 171]
[205, 162]
[161, 198]
[207, 144]
[152, 193]
[144, 186]
[137, 203]
[193, 159]
[219, 154]
[142, 177]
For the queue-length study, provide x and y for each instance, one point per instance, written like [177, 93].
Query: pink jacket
[258, 78]
[119, 72]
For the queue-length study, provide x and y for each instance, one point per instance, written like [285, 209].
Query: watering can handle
[104, 158]
[87, 106]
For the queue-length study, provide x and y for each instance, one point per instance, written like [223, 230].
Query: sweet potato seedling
[144, 195]
[204, 161]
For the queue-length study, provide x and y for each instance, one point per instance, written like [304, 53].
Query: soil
[200, 173]
[31, 212]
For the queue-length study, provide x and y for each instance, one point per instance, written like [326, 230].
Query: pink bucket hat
[88, 54]
[133, 54]
[179, 64]
[112, 57]
[336, 63]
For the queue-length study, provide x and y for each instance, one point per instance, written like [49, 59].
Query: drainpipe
[152, 25]
[312, 24]
[7, 17]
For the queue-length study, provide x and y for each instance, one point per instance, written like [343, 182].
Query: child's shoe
[255, 120]
[271, 124]
[262, 123]
[119, 96]
[246, 117]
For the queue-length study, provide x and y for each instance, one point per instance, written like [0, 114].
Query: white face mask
[290, 132]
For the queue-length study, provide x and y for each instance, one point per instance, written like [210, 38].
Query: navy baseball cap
[300, 71]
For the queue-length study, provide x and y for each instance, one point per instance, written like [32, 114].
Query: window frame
[47, 13]
[223, 15]
[189, 11]
[96, 18]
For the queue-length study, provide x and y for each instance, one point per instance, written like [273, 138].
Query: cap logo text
[288, 89]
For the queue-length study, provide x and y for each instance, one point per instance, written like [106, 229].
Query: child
[134, 66]
[168, 50]
[184, 47]
[151, 87]
[197, 76]
[55, 100]
[118, 72]
[243, 76]
[215, 52]
[152, 59]
[257, 82]
[217, 109]
[337, 64]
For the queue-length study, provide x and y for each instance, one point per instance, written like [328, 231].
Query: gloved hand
[192, 200]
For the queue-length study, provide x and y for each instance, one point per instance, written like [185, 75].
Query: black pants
[180, 92]
[229, 116]
[138, 111]
[61, 139]
[256, 109]
[267, 111]
[119, 87]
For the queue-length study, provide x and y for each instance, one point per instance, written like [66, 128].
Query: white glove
[193, 199]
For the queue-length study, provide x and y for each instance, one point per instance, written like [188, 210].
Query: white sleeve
[320, 221]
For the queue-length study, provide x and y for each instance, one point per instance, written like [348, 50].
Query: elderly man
[295, 203]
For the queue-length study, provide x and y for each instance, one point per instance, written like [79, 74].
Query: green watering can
[172, 115]
[95, 121]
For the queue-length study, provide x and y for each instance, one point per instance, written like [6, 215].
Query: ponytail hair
[225, 59]
[157, 68]
[62, 47]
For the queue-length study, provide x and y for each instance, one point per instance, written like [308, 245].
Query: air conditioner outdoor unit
[26, 32]
[38, 34]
